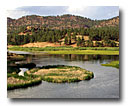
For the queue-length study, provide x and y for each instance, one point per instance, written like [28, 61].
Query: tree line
[108, 34]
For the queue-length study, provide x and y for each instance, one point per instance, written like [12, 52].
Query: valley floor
[69, 50]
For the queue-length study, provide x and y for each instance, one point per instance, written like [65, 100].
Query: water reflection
[51, 59]
[75, 57]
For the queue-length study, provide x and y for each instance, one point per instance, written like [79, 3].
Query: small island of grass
[54, 74]
[62, 74]
[112, 64]
[15, 81]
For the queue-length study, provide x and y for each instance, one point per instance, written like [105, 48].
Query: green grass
[70, 50]
[112, 64]
[23, 85]
[63, 80]
[29, 80]
[100, 52]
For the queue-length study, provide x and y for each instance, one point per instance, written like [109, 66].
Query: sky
[92, 12]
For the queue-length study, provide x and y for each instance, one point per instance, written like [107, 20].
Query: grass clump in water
[112, 64]
[62, 74]
[15, 81]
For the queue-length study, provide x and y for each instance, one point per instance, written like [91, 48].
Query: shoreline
[69, 50]
[112, 64]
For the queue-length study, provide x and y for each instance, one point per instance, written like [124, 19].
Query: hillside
[110, 22]
[63, 30]
[59, 22]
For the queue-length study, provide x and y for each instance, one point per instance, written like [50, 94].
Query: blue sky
[93, 12]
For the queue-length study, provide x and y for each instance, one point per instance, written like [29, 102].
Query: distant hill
[110, 22]
[60, 22]
[65, 30]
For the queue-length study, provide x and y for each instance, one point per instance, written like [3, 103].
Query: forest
[106, 35]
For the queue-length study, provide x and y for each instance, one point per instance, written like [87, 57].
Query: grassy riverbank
[62, 74]
[70, 50]
[112, 64]
[100, 52]
[15, 57]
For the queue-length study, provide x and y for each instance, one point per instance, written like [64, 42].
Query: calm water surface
[105, 83]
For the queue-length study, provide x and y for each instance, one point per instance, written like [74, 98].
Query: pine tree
[66, 40]
[79, 41]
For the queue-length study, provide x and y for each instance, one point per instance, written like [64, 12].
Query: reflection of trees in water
[11, 66]
[67, 57]
[28, 58]
[74, 57]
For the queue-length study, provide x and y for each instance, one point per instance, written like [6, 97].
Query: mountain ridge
[65, 21]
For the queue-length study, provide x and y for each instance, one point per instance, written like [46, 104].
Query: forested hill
[63, 30]
[60, 22]
[110, 22]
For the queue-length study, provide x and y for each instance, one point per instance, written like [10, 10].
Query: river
[105, 83]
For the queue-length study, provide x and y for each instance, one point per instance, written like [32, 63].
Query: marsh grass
[15, 81]
[62, 74]
[49, 48]
[112, 64]
[89, 52]
[51, 73]
[70, 50]
[23, 85]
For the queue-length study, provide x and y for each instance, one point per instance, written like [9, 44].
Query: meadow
[70, 50]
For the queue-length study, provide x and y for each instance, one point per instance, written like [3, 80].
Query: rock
[21, 73]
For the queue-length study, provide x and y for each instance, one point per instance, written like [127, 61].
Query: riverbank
[97, 52]
[70, 50]
[14, 57]
[112, 64]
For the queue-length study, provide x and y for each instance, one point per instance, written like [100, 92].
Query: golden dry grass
[63, 74]
[41, 44]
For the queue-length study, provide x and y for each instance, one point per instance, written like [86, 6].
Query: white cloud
[116, 13]
[16, 13]
[86, 11]
[93, 12]
[74, 8]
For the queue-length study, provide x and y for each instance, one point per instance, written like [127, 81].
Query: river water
[105, 83]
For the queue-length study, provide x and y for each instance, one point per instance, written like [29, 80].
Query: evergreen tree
[66, 40]
[79, 41]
